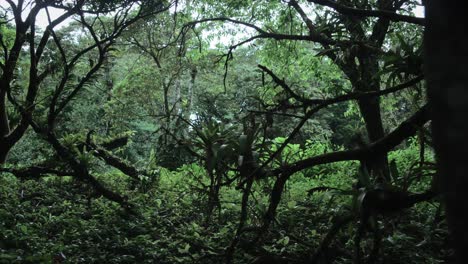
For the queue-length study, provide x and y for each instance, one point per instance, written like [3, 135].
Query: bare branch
[115, 161]
[52, 24]
[303, 15]
[342, 98]
[80, 171]
[369, 13]
[271, 35]
[35, 172]
[338, 223]
[406, 129]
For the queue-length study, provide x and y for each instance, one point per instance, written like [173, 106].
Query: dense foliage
[216, 132]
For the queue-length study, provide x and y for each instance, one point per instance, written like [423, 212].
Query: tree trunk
[193, 75]
[6, 142]
[109, 87]
[370, 111]
[370, 107]
[446, 61]
[4, 128]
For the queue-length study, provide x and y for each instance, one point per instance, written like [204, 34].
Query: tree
[290, 126]
[30, 43]
[65, 70]
[174, 77]
[361, 38]
[446, 56]
[351, 37]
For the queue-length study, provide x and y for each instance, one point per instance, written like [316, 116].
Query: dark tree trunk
[4, 128]
[7, 140]
[446, 55]
[370, 111]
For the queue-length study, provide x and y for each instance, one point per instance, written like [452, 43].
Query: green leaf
[184, 250]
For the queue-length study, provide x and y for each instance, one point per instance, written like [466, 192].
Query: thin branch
[282, 83]
[79, 169]
[229, 254]
[35, 172]
[303, 15]
[52, 24]
[102, 50]
[275, 113]
[325, 103]
[182, 143]
[115, 161]
[338, 223]
[406, 129]
[272, 35]
[342, 98]
[370, 13]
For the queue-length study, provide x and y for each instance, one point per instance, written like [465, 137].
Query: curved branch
[35, 172]
[406, 129]
[370, 13]
[341, 98]
[315, 37]
[325, 103]
[115, 161]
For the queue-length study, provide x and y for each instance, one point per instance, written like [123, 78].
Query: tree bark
[446, 61]
[4, 124]
[4, 127]
[370, 111]
[193, 76]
